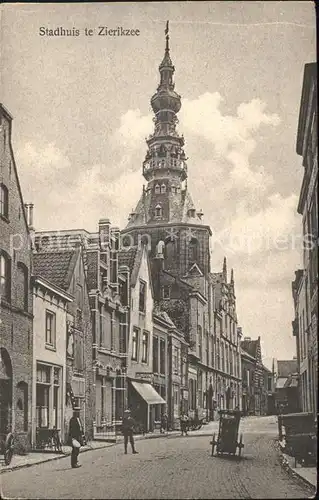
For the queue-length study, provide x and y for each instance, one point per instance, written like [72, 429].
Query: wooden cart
[227, 440]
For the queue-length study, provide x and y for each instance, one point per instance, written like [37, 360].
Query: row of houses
[119, 318]
[305, 284]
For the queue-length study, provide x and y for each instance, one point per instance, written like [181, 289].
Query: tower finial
[225, 269]
[167, 36]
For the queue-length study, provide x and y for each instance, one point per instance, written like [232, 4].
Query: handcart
[227, 439]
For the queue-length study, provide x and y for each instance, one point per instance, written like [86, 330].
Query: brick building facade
[16, 297]
[305, 286]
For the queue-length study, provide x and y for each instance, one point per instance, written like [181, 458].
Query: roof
[286, 368]
[126, 257]
[281, 382]
[310, 76]
[56, 267]
[250, 346]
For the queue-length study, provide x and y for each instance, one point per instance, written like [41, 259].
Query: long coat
[75, 430]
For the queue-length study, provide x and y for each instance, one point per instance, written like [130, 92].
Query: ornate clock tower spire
[166, 203]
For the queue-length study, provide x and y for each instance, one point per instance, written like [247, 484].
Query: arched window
[193, 250]
[157, 189]
[4, 201]
[5, 276]
[158, 211]
[23, 286]
[163, 188]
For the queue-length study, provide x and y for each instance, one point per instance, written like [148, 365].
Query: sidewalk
[307, 474]
[34, 457]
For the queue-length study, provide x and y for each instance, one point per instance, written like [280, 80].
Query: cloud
[253, 223]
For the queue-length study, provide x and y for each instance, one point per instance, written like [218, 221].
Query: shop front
[143, 399]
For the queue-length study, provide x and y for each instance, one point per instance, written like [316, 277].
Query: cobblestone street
[172, 467]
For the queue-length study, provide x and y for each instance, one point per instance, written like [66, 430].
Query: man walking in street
[184, 424]
[164, 422]
[75, 437]
[127, 429]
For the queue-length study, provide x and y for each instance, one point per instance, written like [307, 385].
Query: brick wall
[16, 324]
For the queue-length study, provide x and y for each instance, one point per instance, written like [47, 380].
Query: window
[199, 340]
[166, 292]
[79, 296]
[218, 354]
[50, 328]
[48, 396]
[155, 354]
[170, 253]
[176, 355]
[135, 344]
[145, 347]
[142, 302]
[193, 250]
[78, 352]
[158, 211]
[163, 188]
[157, 189]
[162, 356]
[5, 276]
[4, 201]
[22, 288]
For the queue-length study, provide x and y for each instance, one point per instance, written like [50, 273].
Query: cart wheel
[213, 443]
[8, 449]
[240, 445]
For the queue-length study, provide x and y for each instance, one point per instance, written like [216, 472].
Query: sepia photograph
[158, 250]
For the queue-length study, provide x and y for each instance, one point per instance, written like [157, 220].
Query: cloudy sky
[81, 108]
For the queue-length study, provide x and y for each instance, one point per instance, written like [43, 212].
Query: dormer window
[157, 189]
[158, 211]
[163, 188]
[166, 292]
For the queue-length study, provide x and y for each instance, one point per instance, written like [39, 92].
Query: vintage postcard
[158, 250]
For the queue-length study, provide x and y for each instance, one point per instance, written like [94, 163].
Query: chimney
[247, 338]
[104, 233]
[29, 216]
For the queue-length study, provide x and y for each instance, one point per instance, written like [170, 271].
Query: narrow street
[173, 467]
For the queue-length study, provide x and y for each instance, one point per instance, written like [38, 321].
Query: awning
[148, 393]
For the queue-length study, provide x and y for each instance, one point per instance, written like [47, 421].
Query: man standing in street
[75, 437]
[127, 429]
